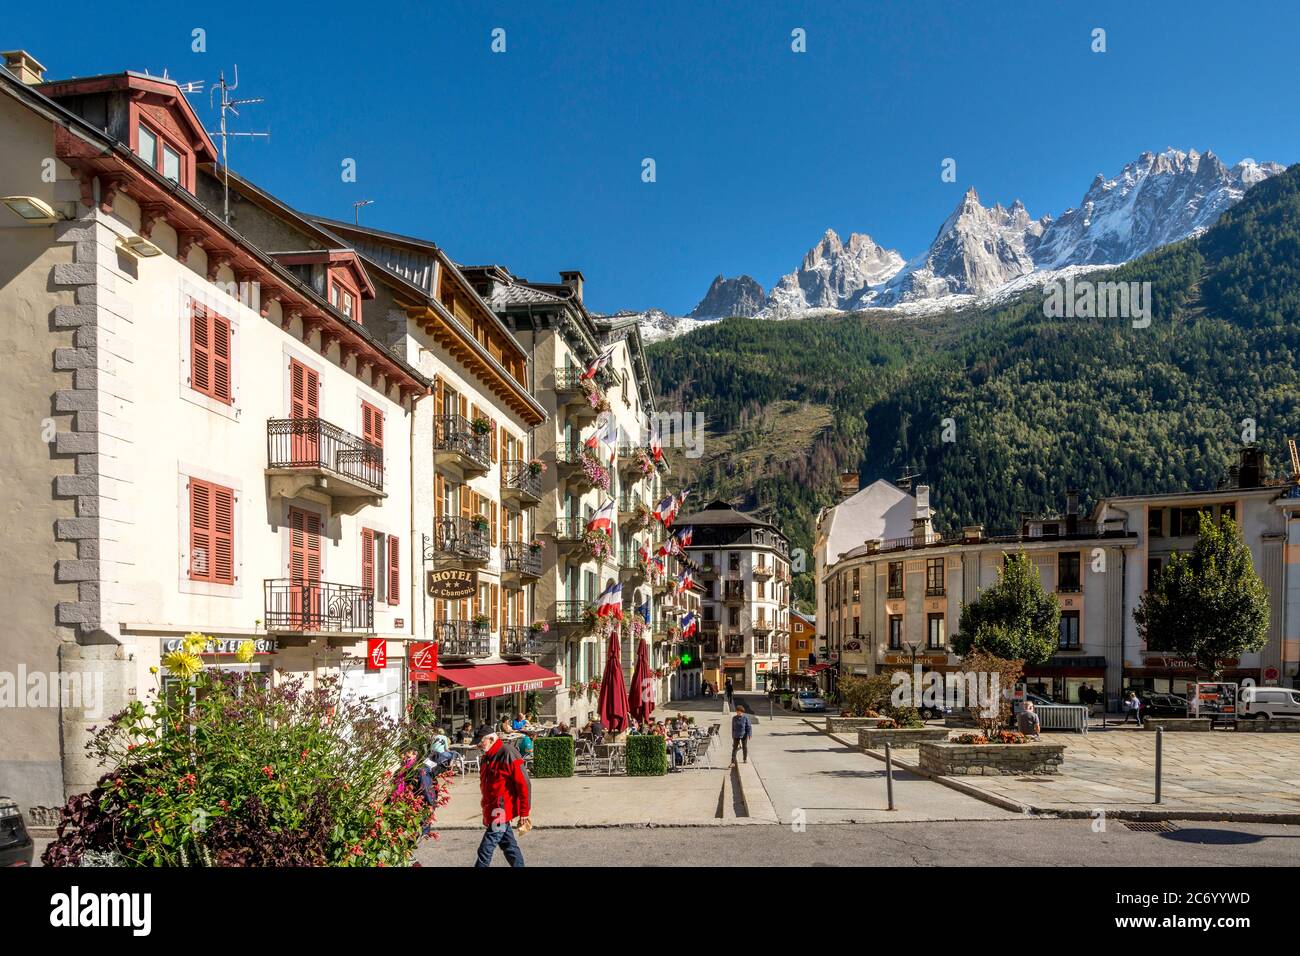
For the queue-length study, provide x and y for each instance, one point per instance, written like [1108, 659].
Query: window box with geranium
[597, 544]
[481, 426]
[536, 467]
[596, 473]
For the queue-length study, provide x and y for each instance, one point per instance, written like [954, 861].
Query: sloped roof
[880, 510]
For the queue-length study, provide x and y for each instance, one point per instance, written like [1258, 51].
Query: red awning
[494, 680]
[817, 668]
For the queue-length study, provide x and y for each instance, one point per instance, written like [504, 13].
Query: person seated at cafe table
[595, 729]
[518, 723]
[561, 730]
[466, 733]
[524, 744]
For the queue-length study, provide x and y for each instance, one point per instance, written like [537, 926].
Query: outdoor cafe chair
[703, 751]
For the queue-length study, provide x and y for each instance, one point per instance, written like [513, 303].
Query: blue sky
[532, 158]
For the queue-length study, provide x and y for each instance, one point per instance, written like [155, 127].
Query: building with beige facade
[894, 602]
[202, 437]
[744, 565]
[619, 473]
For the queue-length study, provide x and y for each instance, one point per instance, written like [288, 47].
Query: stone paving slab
[1213, 772]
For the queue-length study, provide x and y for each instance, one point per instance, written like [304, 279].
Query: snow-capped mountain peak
[832, 274]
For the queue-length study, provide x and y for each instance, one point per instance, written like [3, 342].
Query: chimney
[573, 279]
[24, 66]
[921, 527]
[1251, 473]
[848, 484]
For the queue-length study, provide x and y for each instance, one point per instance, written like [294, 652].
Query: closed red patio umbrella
[611, 706]
[641, 699]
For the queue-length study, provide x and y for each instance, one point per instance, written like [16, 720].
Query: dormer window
[343, 300]
[160, 154]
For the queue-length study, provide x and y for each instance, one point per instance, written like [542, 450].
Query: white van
[1269, 702]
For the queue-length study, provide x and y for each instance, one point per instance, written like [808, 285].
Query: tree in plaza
[1015, 619]
[986, 681]
[1208, 605]
[861, 694]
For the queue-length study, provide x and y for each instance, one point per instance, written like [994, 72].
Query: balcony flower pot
[481, 426]
[536, 467]
[481, 621]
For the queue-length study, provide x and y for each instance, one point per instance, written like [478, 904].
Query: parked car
[1164, 705]
[807, 700]
[16, 846]
[1269, 703]
[937, 712]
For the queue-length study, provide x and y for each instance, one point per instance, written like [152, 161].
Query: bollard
[1160, 739]
[889, 774]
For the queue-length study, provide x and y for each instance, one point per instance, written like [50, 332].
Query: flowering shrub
[970, 739]
[645, 464]
[887, 723]
[224, 770]
[1009, 737]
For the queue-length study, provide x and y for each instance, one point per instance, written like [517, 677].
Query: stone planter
[897, 737]
[962, 720]
[959, 760]
[1180, 724]
[1269, 726]
[841, 724]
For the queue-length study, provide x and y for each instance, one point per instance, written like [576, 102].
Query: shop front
[1172, 675]
[1063, 678]
[480, 693]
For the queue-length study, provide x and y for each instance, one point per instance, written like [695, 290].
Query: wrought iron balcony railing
[570, 613]
[462, 639]
[519, 640]
[522, 559]
[454, 436]
[313, 444]
[461, 538]
[520, 479]
[312, 606]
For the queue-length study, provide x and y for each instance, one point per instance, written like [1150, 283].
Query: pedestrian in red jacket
[507, 794]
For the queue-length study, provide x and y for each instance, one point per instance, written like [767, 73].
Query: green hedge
[553, 757]
[646, 756]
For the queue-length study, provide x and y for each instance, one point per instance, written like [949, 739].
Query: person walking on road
[1133, 708]
[731, 691]
[507, 794]
[741, 731]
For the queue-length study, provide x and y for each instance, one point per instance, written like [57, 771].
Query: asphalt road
[967, 843]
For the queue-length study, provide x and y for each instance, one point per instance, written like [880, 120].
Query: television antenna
[356, 209]
[229, 105]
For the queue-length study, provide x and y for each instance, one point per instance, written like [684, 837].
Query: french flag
[656, 446]
[600, 362]
[644, 552]
[685, 580]
[610, 602]
[684, 536]
[603, 519]
[644, 612]
[665, 510]
[690, 625]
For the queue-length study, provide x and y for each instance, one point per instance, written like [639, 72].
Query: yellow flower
[245, 652]
[182, 663]
[153, 670]
[195, 643]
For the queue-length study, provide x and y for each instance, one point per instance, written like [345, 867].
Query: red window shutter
[200, 350]
[394, 571]
[304, 391]
[372, 424]
[221, 358]
[200, 530]
[212, 532]
[223, 535]
[368, 560]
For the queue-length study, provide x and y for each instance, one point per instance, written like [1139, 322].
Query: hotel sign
[452, 584]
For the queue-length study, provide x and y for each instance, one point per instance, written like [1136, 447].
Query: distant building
[894, 601]
[802, 650]
[745, 566]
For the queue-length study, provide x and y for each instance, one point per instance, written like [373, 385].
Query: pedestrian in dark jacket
[741, 731]
[731, 690]
[506, 794]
